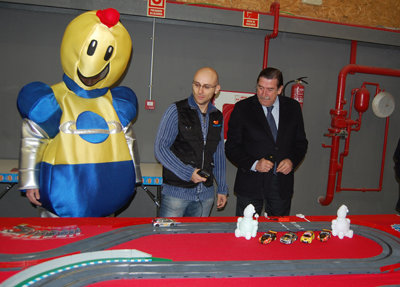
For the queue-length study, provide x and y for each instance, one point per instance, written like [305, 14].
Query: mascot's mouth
[91, 81]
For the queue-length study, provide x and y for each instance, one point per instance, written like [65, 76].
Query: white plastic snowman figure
[341, 225]
[247, 226]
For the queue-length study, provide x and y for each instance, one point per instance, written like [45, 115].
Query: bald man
[190, 146]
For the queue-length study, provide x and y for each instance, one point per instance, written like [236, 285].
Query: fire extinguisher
[297, 90]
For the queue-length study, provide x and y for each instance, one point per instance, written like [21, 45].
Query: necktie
[272, 126]
[271, 122]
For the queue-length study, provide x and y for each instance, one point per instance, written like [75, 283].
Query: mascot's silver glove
[33, 142]
[134, 151]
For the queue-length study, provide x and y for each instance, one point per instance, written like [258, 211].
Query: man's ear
[217, 89]
[280, 90]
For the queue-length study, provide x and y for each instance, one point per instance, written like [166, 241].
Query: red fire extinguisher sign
[156, 8]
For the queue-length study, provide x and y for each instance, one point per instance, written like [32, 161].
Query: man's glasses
[206, 87]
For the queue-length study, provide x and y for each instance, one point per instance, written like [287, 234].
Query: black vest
[189, 146]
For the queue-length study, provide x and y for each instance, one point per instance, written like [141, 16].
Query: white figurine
[341, 225]
[247, 226]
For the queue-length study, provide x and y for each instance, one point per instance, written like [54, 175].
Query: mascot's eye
[108, 54]
[92, 48]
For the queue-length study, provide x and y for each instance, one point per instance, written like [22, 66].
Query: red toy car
[324, 235]
[267, 237]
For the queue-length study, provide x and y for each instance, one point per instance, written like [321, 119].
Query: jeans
[177, 207]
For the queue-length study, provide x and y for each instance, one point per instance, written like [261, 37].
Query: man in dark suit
[265, 174]
[396, 158]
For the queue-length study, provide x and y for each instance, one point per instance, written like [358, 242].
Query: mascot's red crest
[108, 17]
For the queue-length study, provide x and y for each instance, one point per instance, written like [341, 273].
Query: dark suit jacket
[250, 139]
[396, 158]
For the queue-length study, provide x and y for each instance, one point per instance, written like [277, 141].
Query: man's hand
[196, 177]
[221, 200]
[285, 166]
[33, 196]
[264, 165]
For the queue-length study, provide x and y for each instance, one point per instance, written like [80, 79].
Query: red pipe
[338, 120]
[349, 128]
[273, 9]
[346, 149]
[353, 52]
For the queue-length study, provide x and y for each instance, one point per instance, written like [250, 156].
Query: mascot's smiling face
[95, 49]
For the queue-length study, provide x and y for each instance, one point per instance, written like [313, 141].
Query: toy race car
[307, 237]
[267, 237]
[163, 222]
[324, 235]
[289, 238]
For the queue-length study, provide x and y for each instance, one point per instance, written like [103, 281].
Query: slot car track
[92, 273]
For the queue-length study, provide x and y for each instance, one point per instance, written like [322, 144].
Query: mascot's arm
[125, 104]
[134, 151]
[33, 142]
[41, 116]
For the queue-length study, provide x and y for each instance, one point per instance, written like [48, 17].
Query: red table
[187, 247]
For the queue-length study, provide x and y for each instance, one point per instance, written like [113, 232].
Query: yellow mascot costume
[77, 149]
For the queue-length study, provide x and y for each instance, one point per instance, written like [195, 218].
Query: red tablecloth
[214, 247]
